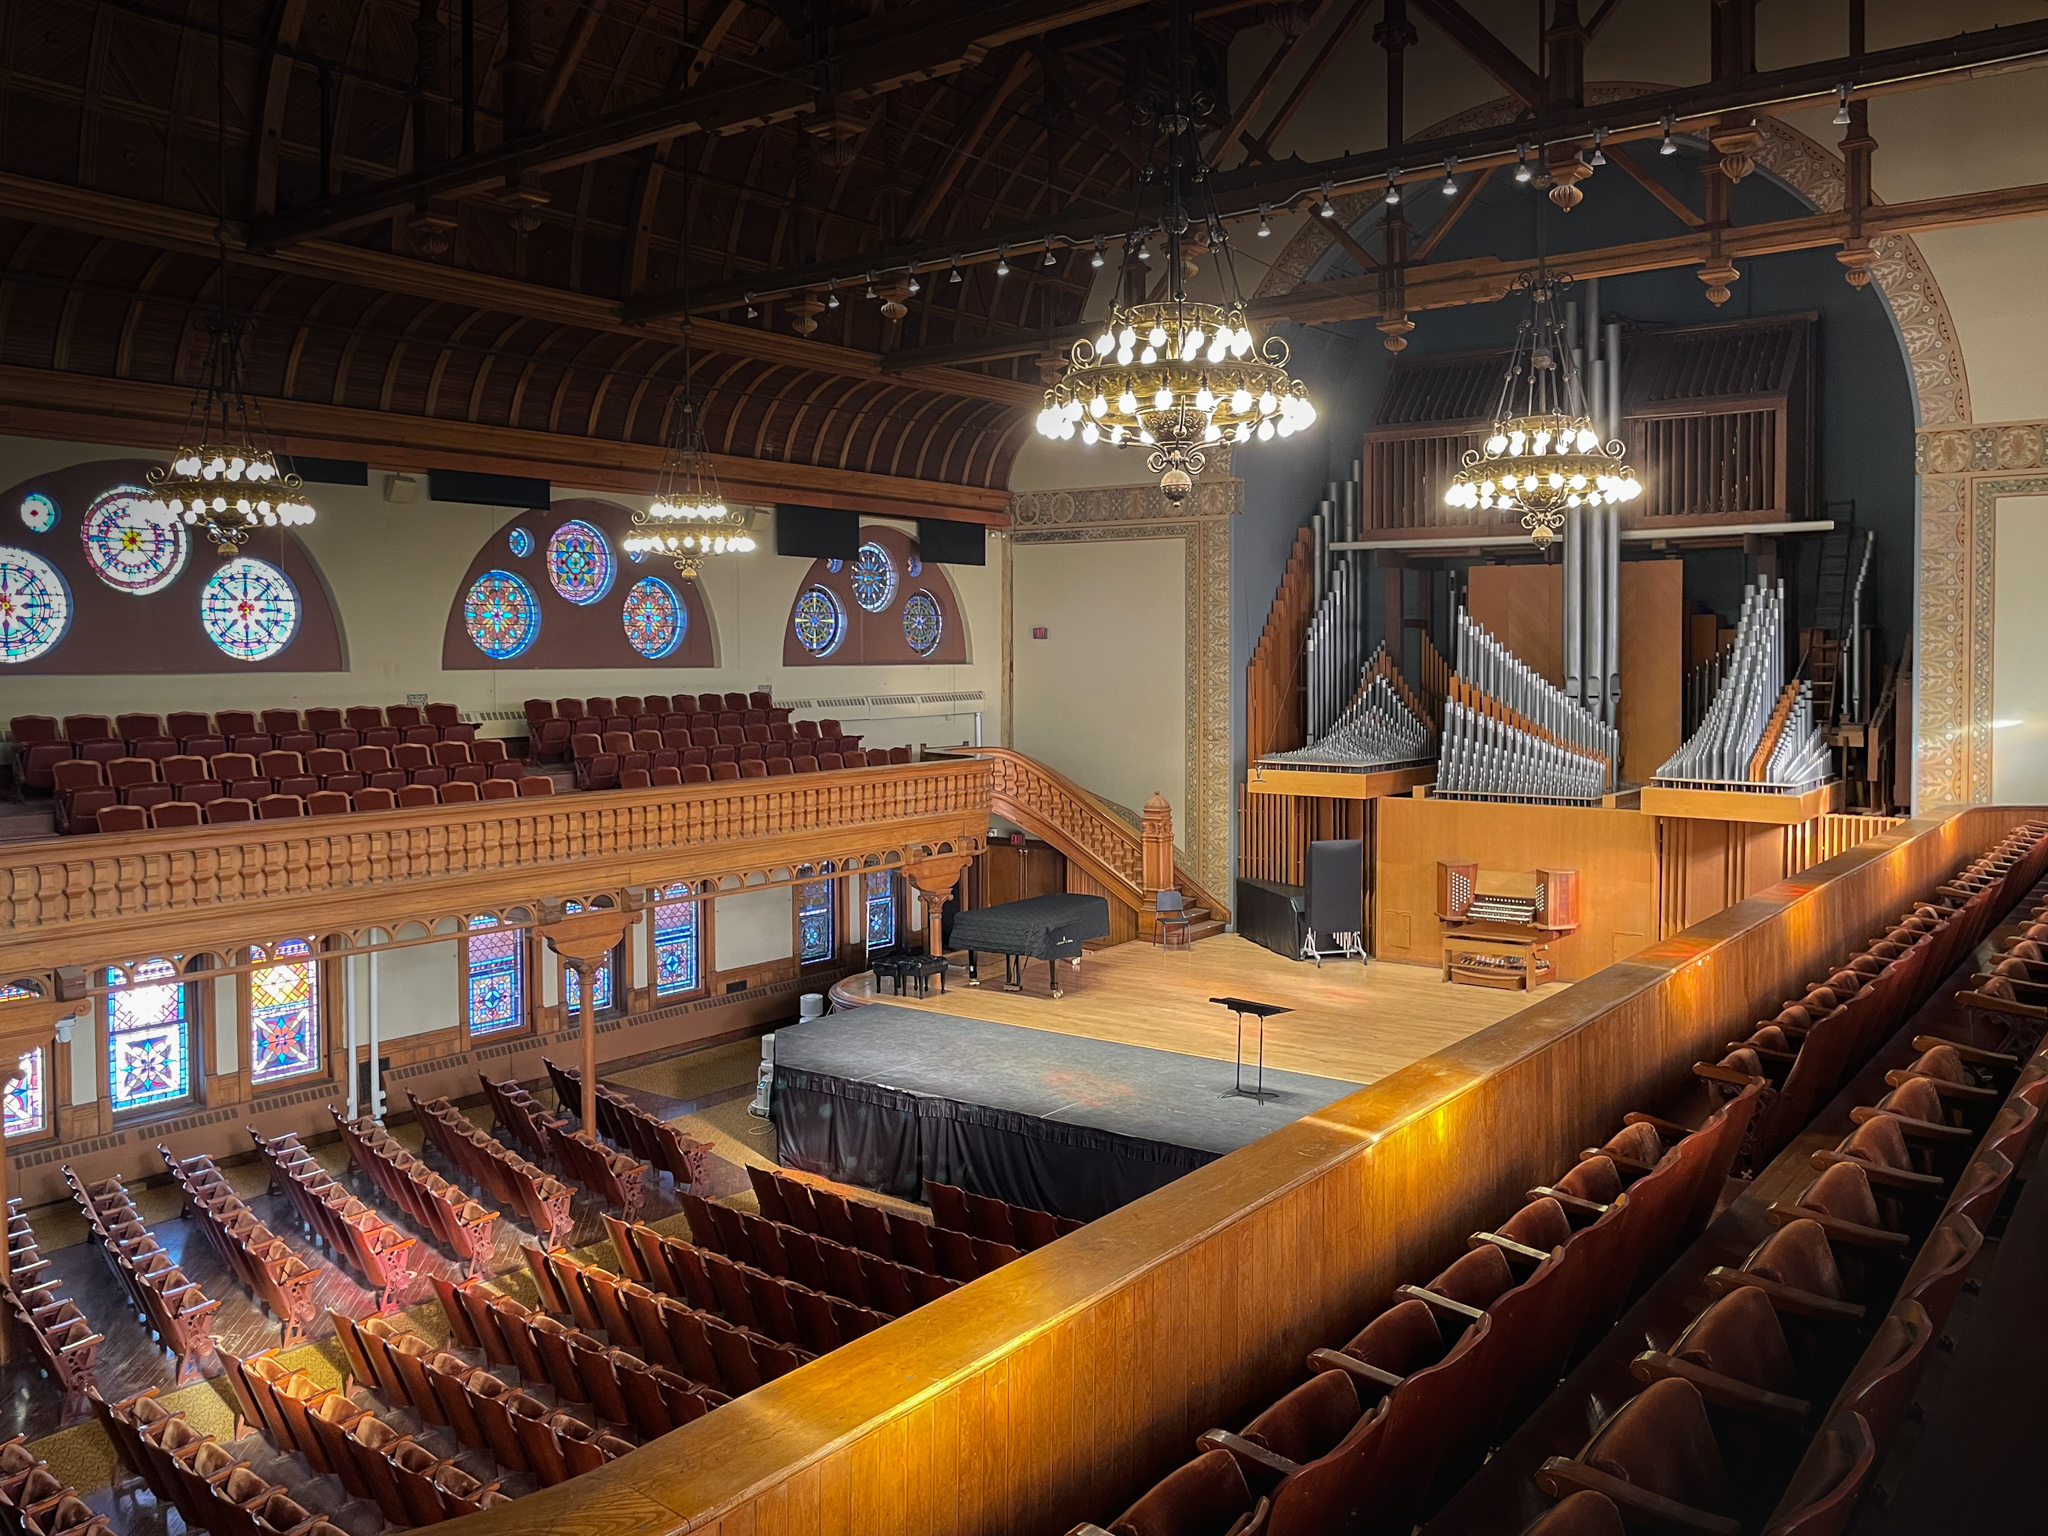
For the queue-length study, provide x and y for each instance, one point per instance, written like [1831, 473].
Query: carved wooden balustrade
[86, 900]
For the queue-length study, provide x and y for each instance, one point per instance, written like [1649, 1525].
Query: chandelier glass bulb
[688, 519]
[223, 478]
[1544, 456]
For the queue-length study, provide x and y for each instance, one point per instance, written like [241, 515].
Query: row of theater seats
[705, 1346]
[484, 1412]
[262, 1261]
[741, 1294]
[550, 724]
[43, 741]
[64, 1339]
[937, 1250]
[34, 1501]
[463, 1226]
[1021, 1226]
[619, 1121]
[1434, 1385]
[82, 789]
[790, 1253]
[535, 1196]
[615, 761]
[177, 1311]
[327, 802]
[382, 1257]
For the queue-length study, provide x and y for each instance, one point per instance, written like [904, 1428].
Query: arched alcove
[879, 609]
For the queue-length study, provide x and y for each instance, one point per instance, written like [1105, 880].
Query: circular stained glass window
[250, 609]
[654, 618]
[501, 614]
[580, 562]
[915, 567]
[38, 512]
[128, 551]
[874, 578]
[520, 542]
[835, 566]
[35, 606]
[820, 622]
[923, 623]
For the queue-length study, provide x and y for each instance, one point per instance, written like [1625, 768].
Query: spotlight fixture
[915, 285]
[1144, 249]
[1842, 104]
[831, 296]
[1265, 224]
[956, 268]
[1096, 260]
[1328, 209]
[1667, 147]
[1002, 261]
[1450, 186]
[871, 285]
[1050, 259]
[752, 313]
[1522, 171]
[1599, 155]
[1393, 198]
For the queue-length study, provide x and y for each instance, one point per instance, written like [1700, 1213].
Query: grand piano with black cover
[1049, 928]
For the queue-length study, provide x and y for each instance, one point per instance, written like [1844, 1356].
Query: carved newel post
[584, 939]
[1158, 859]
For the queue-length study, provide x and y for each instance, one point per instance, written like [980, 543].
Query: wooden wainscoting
[1059, 1387]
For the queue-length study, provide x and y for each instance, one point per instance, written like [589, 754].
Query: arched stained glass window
[879, 891]
[820, 622]
[35, 605]
[874, 578]
[580, 562]
[149, 1059]
[924, 624]
[27, 1111]
[284, 1014]
[501, 614]
[38, 512]
[675, 943]
[815, 928]
[497, 976]
[654, 618]
[126, 549]
[250, 609]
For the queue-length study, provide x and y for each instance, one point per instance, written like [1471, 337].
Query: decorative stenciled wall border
[1202, 523]
[1952, 644]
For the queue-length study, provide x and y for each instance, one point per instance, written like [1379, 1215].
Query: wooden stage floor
[1349, 1021]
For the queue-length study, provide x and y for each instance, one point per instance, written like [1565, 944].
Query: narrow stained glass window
[284, 1014]
[149, 1029]
[675, 944]
[27, 1114]
[601, 983]
[814, 924]
[880, 892]
[497, 976]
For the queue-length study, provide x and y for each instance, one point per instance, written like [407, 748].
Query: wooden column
[935, 879]
[583, 940]
[1158, 860]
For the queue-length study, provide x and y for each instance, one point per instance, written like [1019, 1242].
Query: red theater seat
[327, 802]
[374, 799]
[122, 818]
[229, 808]
[536, 784]
[175, 813]
[459, 792]
[498, 789]
[277, 721]
[415, 795]
[234, 722]
[318, 720]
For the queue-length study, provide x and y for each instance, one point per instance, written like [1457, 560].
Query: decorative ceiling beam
[1254, 98]
[1485, 50]
[559, 74]
[1260, 146]
[1239, 193]
[965, 139]
[874, 56]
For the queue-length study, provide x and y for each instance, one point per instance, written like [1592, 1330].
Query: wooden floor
[1350, 1021]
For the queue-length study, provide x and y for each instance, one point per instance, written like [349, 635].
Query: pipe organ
[1592, 536]
[1381, 728]
[1759, 732]
[1510, 735]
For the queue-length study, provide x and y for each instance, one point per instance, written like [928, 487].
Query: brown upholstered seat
[1658, 1443]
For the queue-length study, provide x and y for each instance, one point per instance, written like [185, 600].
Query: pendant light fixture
[1178, 375]
[1544, 455]
[223, 478]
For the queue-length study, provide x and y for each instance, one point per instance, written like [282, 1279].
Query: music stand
[1242, 1006]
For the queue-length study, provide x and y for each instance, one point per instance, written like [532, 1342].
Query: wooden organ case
[1498, 925]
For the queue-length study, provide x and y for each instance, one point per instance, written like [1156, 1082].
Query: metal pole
[586, 997]
[376, 1077]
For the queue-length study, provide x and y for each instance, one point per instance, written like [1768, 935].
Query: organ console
[1499, 925]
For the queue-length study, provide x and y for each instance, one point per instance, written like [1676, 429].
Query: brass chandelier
[1179, 376]
[1544, 455]
[689, 520]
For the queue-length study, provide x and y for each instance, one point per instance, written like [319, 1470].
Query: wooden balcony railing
[87, 900]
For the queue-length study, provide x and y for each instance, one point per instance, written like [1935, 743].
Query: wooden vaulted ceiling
[501, 308]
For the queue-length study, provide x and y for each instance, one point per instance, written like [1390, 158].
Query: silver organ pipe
[1747, 705]
[1569, 755]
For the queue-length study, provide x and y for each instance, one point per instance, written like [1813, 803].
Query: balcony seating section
[35, 1501]
[627, 1126]
[700, 1345]
[1442, 1379]
[176, 1310]
[381, 1256]
[536, 1197]
[995, 1221]
[459, 1224]
[822, 1264]
[262, 1261]
[858, 1224]
[64, 1339]
[710, 1282]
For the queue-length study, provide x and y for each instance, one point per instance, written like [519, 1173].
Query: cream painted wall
[1103, 698]
[418, 989]
[2019, 680]
[753, 927]
[394, 570]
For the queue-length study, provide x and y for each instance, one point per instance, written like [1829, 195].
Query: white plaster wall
[753, 927]
[227, 1053]
[1103, 698]
[2019, 681]
[418, 989]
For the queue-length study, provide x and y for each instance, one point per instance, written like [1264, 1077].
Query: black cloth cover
[1270, 915]
[1336, 885]
[1040, 928]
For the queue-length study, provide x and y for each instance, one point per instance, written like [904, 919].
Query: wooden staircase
[1107, 850]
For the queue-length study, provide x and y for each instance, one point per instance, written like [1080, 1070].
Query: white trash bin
[764, 1078]
[811, 1006]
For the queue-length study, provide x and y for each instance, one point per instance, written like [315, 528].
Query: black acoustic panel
[941, 542]
[329, 471]
[816, 533]
[479, 490]
[1336, 886]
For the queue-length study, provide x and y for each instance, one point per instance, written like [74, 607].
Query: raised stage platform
[887, 1097]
